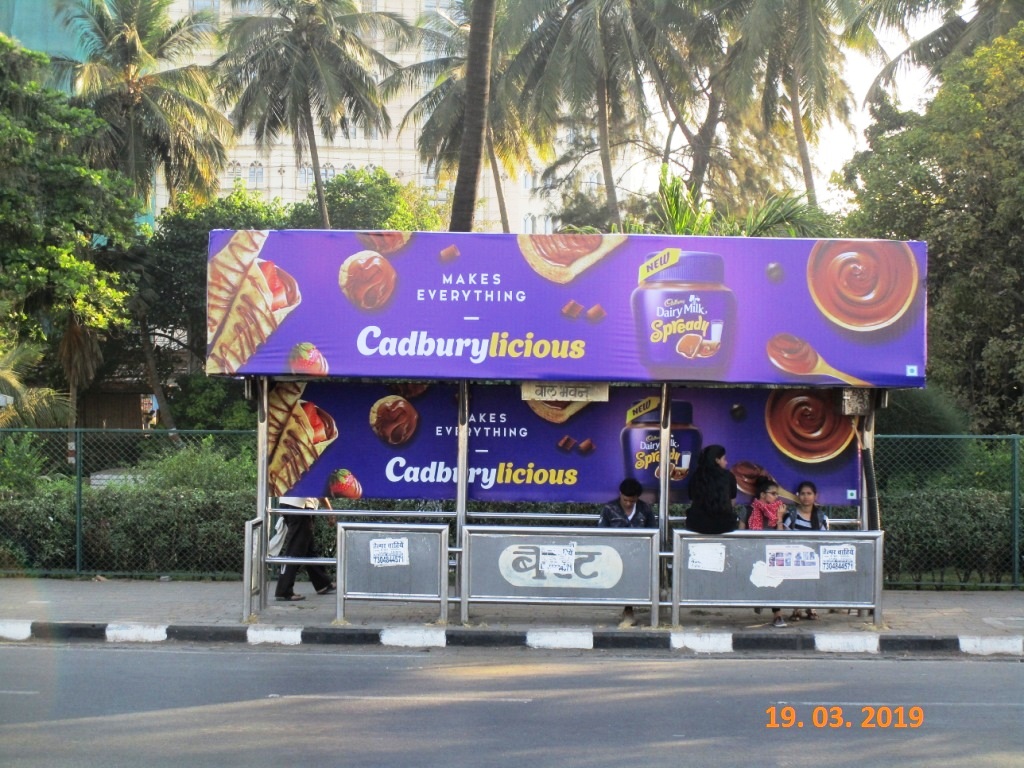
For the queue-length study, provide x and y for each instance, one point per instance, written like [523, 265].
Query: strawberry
[343, 484]
[306, 360]
[276, 286]
[319, 430]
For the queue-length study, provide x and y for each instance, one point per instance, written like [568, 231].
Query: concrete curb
[412, 636]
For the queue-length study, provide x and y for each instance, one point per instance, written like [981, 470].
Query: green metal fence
[125, 502]
[153, 502]
[950, 507]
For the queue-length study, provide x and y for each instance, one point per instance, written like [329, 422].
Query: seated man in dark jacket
[628, 511]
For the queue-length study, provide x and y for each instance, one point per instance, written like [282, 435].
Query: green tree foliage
[678, 211]
[207, 402]
[52, 205]
[178, 256]
[962, 28]
[953, 177]
[366, 198]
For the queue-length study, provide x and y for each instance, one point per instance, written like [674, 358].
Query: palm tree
[306, 64]
[440, 112]
[796, 49]
[474, 128]
[160, 114]
[22, 405]
[679, 211]
[596, 57]
[961, 31]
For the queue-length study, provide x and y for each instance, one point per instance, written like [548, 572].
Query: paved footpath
[925, 622]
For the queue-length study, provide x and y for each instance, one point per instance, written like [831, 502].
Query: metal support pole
[79, 521]
[1015, 506]
[665, 462]
[262, 502]
[462, 489]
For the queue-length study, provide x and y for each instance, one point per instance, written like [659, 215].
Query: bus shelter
[477, 368]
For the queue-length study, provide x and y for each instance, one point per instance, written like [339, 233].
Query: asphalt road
[90, 705]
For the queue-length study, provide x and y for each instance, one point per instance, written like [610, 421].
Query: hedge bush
[959, 535]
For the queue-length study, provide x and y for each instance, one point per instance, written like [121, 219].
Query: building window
[255, 174]
[246, 7]
[305, 176]
[234, 170]
[327, 171]
[195, 6]
[348, 167]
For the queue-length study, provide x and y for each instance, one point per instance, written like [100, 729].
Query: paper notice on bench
[791, 561]
[706, 557]
[838, 558]
[388, 552]
[558, 558]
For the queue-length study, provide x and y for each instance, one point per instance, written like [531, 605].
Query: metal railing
[154, 502]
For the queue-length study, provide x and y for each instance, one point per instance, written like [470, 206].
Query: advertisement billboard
[619, 308]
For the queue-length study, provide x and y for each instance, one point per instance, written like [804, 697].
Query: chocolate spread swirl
[862, 285]
[807, 424]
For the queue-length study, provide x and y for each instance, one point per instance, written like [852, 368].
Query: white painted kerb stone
[702, 642]
[560, 638]
[409, 637]
[986, 646]
[136, 633]
[15, 630]
[846, 642]
[258, 634]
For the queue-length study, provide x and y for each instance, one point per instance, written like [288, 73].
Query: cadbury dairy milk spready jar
[641, 446]
[684, 314]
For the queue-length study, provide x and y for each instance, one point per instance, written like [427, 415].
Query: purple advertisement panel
[430, 305]
[351, 441]
[557, 451]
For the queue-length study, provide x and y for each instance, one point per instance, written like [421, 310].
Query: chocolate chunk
[566, 443]
[394, 420]
[587, 446]
[451, 253]
[368, 280]
[596, 314]
[572, 309]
